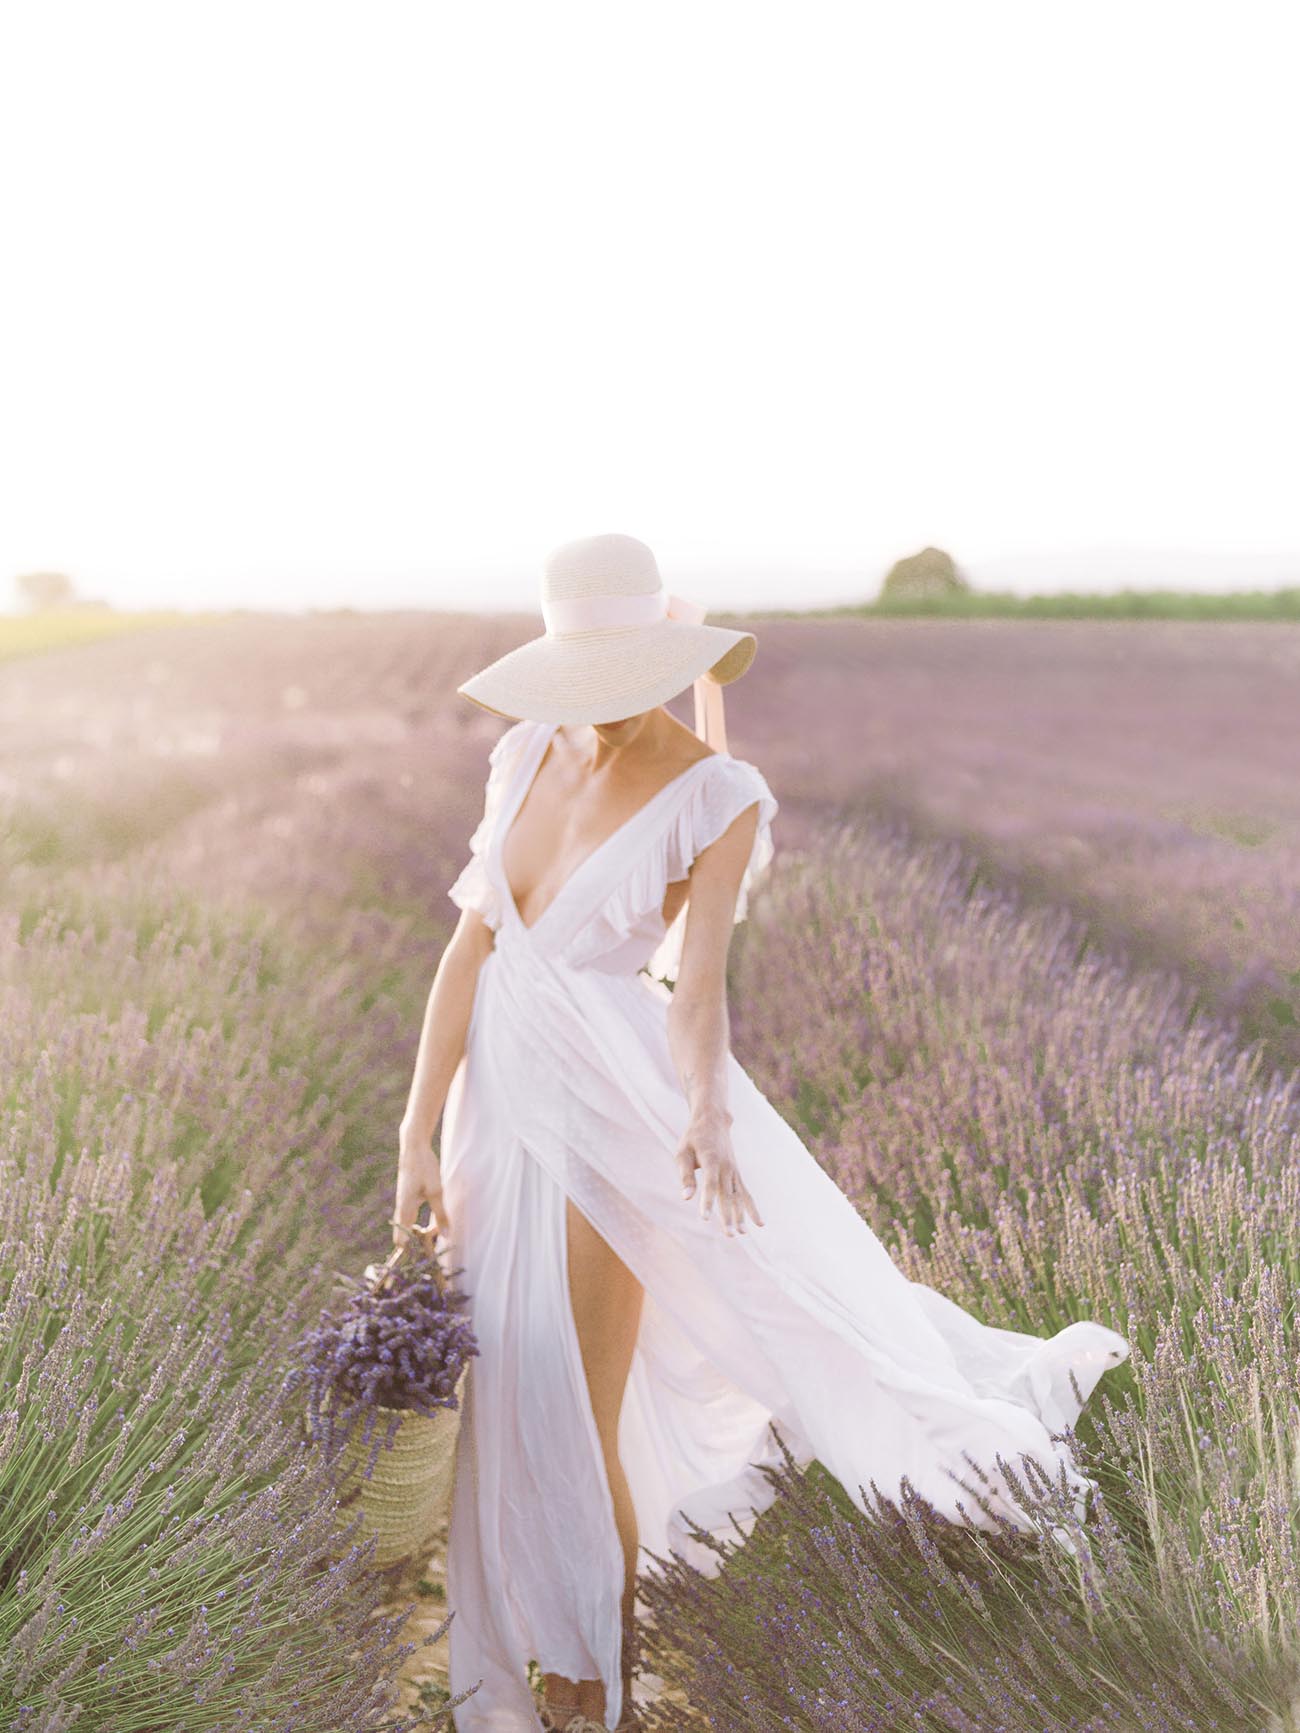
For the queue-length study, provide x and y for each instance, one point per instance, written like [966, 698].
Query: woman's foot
[571, 1720]
[569, 1717]
[574, 1721]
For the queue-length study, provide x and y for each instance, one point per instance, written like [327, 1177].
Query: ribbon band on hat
[594, 613]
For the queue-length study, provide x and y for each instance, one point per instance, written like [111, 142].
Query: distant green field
[1281, 604]
[27, 634]
[30, 634]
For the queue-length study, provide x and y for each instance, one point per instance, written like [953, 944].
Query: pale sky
[308, 304]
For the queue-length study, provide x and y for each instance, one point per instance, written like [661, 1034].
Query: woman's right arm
[442, 1044]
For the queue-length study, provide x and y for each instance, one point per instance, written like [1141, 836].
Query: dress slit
[610, 1674]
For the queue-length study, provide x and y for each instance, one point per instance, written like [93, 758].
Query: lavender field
[1026, 977]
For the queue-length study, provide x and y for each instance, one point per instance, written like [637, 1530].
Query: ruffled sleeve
[716, 802]
[473, 888]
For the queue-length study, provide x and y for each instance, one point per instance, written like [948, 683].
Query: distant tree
[920, 576]
[41, 591]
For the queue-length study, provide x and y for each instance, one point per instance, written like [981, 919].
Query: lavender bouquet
[394, 1349]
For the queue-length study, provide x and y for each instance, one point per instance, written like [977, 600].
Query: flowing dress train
[567, 1089]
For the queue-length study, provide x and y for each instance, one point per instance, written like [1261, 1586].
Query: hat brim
[609, 674]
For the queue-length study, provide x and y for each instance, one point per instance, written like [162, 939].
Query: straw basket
[407, 1498]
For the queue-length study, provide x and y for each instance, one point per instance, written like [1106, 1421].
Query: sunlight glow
[320, 304]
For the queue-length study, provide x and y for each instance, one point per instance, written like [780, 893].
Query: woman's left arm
[699, 1028]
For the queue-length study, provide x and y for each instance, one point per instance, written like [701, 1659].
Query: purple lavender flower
[403, 1347]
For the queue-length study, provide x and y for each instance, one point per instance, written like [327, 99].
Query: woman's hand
[706, 1145]
[419, 1180]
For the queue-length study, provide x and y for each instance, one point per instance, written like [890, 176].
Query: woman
[662, 1278]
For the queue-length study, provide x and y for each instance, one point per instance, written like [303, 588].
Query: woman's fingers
[752, 1207]
[727, 1200]
[411, 1193]
[737, 1209]
[725, 1187]
[405, 1209]
[743, 1204]
[716, 1184]
[708, 1190]
[686, 1168]
[437, 1211]
[438, 1219]
[717, 1189]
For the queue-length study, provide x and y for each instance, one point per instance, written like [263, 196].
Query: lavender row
[186, 1154]
[1043, 1135]
[1141, 772]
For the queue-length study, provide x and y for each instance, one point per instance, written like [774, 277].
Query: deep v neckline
[525, 784]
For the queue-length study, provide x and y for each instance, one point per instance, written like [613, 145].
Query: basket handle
[378, 1275]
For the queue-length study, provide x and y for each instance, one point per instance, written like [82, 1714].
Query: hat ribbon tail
[710, 712]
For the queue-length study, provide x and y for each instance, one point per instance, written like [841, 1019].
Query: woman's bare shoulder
[688, 748]
[509, 742]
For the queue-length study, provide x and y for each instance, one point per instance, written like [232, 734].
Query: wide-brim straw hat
[616, 643]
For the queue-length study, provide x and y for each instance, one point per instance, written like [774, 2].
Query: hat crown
[608, 565]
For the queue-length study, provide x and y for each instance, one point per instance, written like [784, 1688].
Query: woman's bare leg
[606, 1300]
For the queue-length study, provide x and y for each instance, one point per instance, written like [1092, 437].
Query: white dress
[567, 1086]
